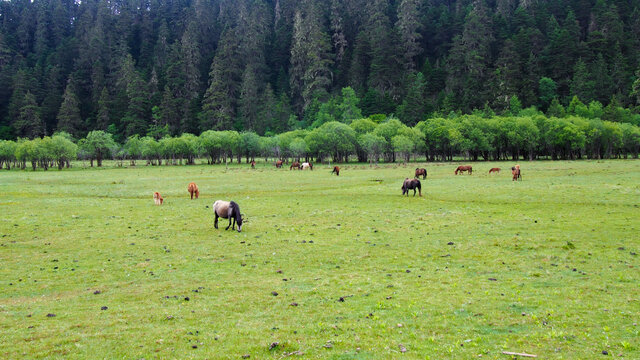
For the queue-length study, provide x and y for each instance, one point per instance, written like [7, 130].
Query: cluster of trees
[268, 66]
[527, 135]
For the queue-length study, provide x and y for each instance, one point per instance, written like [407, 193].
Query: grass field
[478, 265]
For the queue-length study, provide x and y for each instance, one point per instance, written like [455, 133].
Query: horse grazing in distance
[336, 170]
[228, 210]
[463, 168]
[411, 184]
[306, 165]
[278, 164]
[295, 165]
[421, 171]
[515, 171]
[193, 190]
[157, 198]
[253, 164]
[494, 170]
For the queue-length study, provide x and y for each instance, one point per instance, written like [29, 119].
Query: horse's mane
[236, 211]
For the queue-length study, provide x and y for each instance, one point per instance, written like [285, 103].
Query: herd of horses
[221, 209]
[231, 210]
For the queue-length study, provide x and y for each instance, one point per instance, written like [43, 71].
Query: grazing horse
[336, 170]
[228, 210]
[193, 190]
[278, 164]
[494, 170]
[253, 164]
[421, 171]
[463, 168]
[306, 165]
[295, 165]
[515, 171]
[157, 198]
[411, 184]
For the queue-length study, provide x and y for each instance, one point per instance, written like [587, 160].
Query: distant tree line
[134, 67]
[528, 135]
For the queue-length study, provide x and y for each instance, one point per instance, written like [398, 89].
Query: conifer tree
[69, 119]
[29, 124]
[409, 26]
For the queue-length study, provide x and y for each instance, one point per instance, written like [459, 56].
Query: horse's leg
[227, 228]
[215, 223]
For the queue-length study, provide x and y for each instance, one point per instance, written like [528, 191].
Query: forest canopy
[156, 68]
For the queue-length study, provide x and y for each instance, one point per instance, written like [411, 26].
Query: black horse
[228, 210]
[411, 184]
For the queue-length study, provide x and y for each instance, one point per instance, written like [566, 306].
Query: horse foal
[193, 190]
[157, 198]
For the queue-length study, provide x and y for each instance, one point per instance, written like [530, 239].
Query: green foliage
[547, 91]
[97, 145]
[270, 67]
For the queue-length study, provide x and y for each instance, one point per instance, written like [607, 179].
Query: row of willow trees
[471, 137]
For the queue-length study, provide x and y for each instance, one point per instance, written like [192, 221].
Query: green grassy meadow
[479, 265]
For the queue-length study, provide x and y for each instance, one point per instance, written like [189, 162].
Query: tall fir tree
[69, 119]
[409, 26]
[225, 76]
[29, 124]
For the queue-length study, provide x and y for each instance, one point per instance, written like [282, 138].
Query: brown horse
[193, 190]
[411, 184]
[278, 164]
[157, 198]
[253, 164]
[463, 168]
[515, 171]
[494, 170]
[295, 165]
[336, 170]
[421, 171]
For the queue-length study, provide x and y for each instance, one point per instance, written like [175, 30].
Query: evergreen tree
[219, 102]
[409, 26]
[102, 119]
[413, 108]
[69, 119]
[249, 100]
[311, 58]
[29, 124]
[581, 85]
[385, 69]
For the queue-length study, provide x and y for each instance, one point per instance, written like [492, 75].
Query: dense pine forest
[161, 68]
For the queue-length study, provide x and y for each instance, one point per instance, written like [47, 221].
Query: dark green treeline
[158, 67]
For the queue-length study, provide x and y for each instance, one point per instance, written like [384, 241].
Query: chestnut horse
[411, 184]
[295, 165]
[306, 165]
[253, 164]
[228, 210]
[157, 198]
[336, 170]
[193, 190]
[278, 164]
[515, 171]
[463, 168]
[494, 170]
[421, 171]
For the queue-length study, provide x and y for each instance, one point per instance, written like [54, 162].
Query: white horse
[306, 165]
[228, 210]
